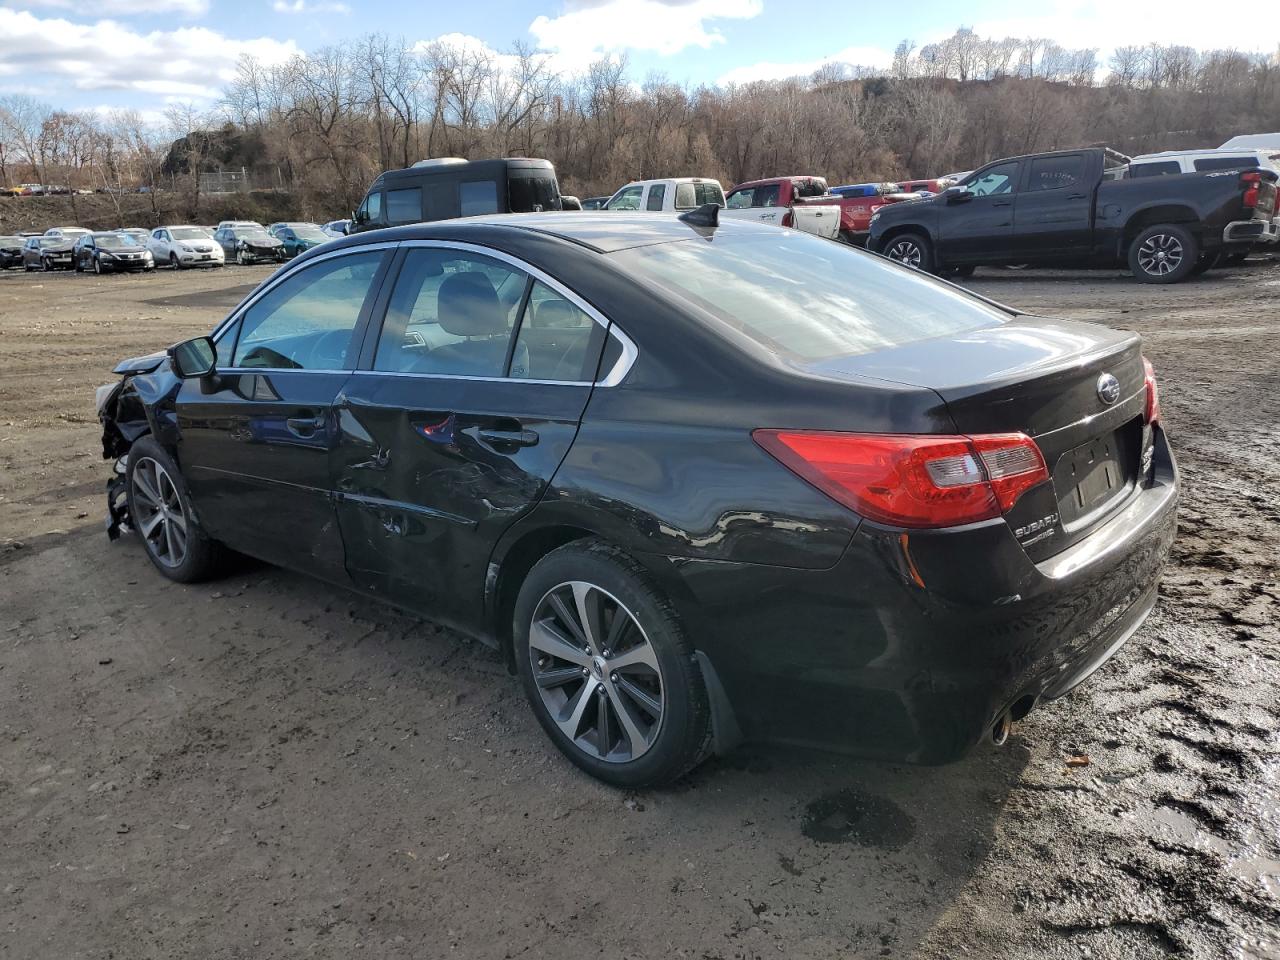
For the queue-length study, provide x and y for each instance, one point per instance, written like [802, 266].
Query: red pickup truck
[778, 200]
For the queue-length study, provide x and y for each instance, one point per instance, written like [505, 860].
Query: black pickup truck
[1070, 209]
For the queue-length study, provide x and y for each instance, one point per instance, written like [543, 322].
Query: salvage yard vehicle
[249, 244]
[765, 488]
[70, 234]
[1201, 161]
[47, 253]
[298, 237]
[670, 195]
[185, 245]
[1068, 209]
[11, 252]
[808, 205]
[447, 187]
[111, 253]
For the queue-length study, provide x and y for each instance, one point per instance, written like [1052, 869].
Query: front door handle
[304, 427]
[1002, 203]
[503, 440]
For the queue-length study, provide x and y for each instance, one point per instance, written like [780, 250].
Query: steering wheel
[319, 357]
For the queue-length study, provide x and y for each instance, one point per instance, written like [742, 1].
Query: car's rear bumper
[910, 648]
[1252, 231]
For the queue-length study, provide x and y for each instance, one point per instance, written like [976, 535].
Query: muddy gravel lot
[264, 767]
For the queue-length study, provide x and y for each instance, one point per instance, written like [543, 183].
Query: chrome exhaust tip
[1000, 731]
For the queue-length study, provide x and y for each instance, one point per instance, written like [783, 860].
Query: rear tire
[1164, 253]
[160, 511]
[622, 698]
[910, 250]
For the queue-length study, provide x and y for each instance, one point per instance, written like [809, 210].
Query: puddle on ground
[851, 816]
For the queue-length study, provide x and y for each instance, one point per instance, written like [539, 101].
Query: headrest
[467, 306]
[556, 313]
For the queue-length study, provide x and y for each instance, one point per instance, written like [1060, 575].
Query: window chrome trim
[616, 374]
[464, 376]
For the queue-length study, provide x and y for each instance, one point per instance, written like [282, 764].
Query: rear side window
[1054, 173]
[531, 194]
[805, 299]
[404, 205]
[307, 321]
[767, 196]
[478, 197]
[657, 192]
[1225, 163]
[1159, 168]
[691, 195]
[559, 340]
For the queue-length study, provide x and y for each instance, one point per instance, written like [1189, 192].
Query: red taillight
[788, 219]
[1253, 181]
[913, 480]
[1151, 412]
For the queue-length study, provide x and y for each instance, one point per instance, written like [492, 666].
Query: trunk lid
[1047, 379]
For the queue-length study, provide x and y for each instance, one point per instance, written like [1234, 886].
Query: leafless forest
[321, 126]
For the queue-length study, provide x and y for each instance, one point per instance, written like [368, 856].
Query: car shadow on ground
[339, 752]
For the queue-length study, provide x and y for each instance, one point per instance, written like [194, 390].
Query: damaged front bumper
[118, 500]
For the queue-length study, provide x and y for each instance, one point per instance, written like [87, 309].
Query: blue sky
[145, 54]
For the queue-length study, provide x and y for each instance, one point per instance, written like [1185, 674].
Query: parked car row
[177, 245]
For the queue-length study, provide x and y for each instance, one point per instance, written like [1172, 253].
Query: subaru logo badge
[1108, 389]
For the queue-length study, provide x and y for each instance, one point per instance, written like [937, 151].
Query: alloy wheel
[907, 253]
[1160, 254]
[596, 671]
[161, 519]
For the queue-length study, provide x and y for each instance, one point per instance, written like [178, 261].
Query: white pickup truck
[675, 193]
[799, 202]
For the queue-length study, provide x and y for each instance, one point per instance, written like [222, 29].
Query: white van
[675, 193]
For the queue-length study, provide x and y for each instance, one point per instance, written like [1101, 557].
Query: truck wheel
[1165, 253]
[910, 250]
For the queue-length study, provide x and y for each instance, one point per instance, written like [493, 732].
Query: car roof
[768, 180]
[1207, 152]
[618, 231]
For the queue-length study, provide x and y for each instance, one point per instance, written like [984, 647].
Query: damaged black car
[699, 483]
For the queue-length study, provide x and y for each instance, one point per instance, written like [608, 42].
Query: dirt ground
[263, 767]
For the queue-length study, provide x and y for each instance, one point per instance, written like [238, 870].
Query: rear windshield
[1225, 163]
[691, 195]
[806, 299]
[532, 194]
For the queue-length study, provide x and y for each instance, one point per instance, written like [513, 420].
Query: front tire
[1164, 253]
[910, 250]
[608, 669]
[97, 266]
[174, 261]
[160, 511]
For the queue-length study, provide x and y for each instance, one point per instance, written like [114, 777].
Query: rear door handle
[507, 439]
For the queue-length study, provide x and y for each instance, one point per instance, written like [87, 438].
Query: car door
[255, 438]
[82, 253]
[978, 227]
[465, 405]
[156, 243]
[1053, 212]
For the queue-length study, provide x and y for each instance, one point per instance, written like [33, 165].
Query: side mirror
[957, 194]
[193, 359]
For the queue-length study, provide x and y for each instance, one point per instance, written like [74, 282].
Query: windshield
[52, 241]
[530, 194]
[190, 233]
[115, 241]
[806, 299]
[250, 233]
[309, 232]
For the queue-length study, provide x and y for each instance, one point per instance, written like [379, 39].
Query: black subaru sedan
[699, 484]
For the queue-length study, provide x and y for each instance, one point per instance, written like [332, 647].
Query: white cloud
[126, 8]
[783, 70]
[190, 62]
[306, 6]
[586, 31]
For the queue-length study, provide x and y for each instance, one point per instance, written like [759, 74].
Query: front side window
[804, 299]
[628, 198]
[308, 321]
[741, 199]
[452, 313]
[657, 193]
[994, 181]
[479, 197]
[371, 210]
[404, 205]
[1054, 173]
[558, 340]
